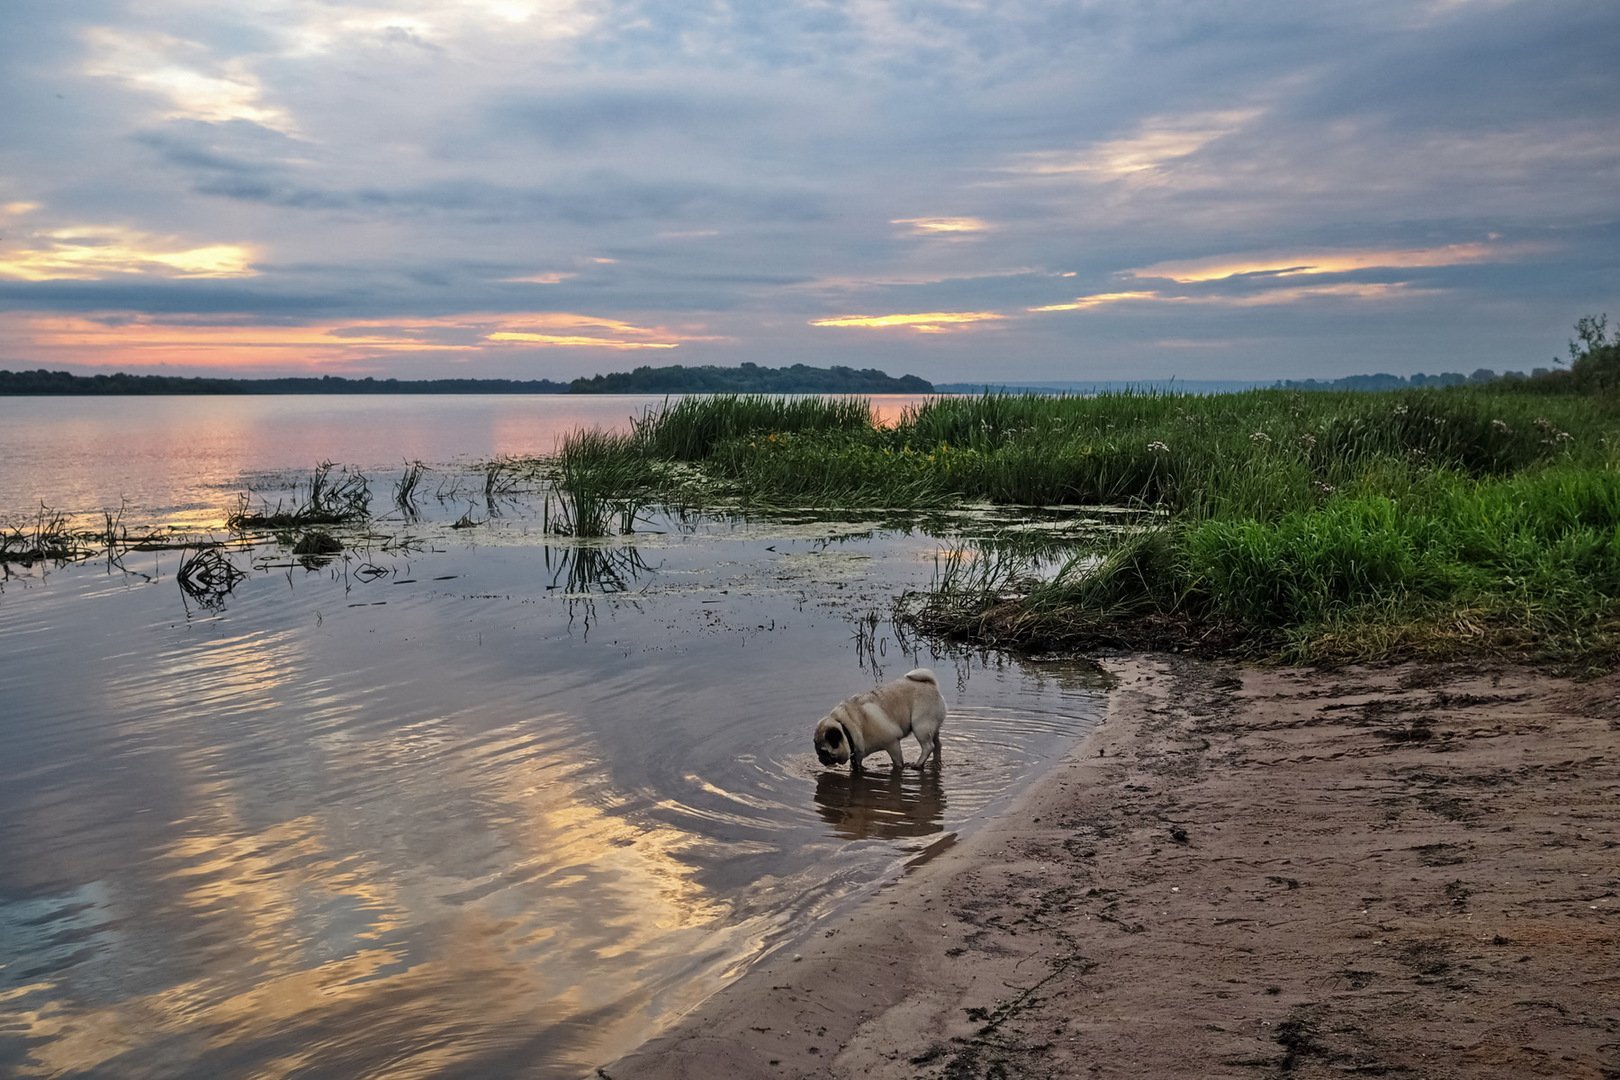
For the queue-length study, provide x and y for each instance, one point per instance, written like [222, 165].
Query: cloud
[1148, 154]
[141, 341]
[1081, 303]
[1266, 297]
[927, 322]
[90, 252]
[575, 117]
[942, 226]
[758, 173]
[1296, 264]
[193, 84]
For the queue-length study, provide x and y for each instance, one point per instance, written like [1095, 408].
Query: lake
[460, 801]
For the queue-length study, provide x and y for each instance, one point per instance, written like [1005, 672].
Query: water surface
[466, 807]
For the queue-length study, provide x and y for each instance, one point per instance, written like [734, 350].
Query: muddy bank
[1410, 871]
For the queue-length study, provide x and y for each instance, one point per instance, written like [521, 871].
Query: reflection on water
[884, 806]
[179, 460]
[592, 567]
[479, 805]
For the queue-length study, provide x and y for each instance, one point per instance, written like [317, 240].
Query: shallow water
[471, 808]
[181, 459]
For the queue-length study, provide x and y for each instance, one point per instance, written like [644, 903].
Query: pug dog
[878, 719]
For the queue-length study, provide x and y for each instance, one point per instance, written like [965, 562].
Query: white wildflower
[1260, 438]
[1158, 447]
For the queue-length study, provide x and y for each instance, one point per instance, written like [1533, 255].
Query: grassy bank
[1309, 526]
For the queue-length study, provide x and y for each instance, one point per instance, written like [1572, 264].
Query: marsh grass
[408, 487]
[47, 539]
[601, 486]
[1313, 526]
[693, 428]
[329, 498]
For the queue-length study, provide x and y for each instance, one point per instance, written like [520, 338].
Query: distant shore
[674, 379]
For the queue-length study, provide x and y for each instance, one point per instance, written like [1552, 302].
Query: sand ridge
[1243, 872]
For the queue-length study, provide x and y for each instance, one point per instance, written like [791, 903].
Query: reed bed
[597, 488]
[693, 428]
[1311, 526]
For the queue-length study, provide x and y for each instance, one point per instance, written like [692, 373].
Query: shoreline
[1240, 872]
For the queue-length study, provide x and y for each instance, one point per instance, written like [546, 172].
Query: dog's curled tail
[922, 674]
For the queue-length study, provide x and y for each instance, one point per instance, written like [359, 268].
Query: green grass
[1312, 526]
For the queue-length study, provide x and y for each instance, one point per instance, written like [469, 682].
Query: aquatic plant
[1310, 525]
[48, 539]
[407, 488]
[329, 500]
[597, 485]
[692, 428]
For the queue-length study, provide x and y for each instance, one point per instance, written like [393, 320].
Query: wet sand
[1402, 872]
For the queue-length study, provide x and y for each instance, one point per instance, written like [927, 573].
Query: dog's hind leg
[929, 746]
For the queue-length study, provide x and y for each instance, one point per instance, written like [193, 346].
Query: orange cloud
[942, 226]
[145, 342]
[1292, 264]
[88, 252]
[1352, 290]
[1080, 303]
[579, 341]
[1157, 145]
[555, 277]
[926, 322]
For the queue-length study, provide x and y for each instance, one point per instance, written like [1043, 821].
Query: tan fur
[876, 722]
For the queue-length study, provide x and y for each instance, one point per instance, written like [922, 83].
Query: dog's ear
[835, 736]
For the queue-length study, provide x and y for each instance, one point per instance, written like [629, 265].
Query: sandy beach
[1409, 871]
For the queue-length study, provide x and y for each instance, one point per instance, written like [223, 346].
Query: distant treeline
[751, 379]
[61, 382]
[747, 379]
[1383, 381]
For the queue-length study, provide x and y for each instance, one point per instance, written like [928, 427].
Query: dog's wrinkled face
[832, 747]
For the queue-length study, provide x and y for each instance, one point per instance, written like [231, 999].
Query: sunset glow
[1161, 142]
[309, 179]
[1080, 303]
[87, 253]
[1288, 264]
[114, 343]
[926, 322]
[933, 226]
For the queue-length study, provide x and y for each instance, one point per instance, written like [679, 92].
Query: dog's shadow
[881, 805]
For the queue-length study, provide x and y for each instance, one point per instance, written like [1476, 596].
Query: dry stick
[1012, 1007]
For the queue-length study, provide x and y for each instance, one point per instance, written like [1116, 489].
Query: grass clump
[330, 499]
[693, 428]
[596, 488]
[47, 539]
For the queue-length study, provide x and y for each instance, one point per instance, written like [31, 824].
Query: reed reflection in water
[421, 823]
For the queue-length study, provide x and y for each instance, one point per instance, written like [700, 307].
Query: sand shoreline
[1242, 872]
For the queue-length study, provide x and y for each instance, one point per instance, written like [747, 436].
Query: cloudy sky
[1006, 189]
